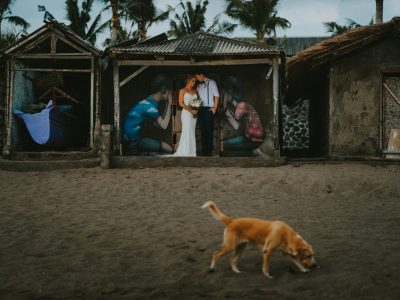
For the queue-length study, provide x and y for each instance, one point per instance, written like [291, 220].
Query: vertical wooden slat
[10, 103]
[275, 95]
[97, 121]
[117, 126]
[91, 100]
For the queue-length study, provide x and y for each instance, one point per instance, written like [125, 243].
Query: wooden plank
[275, 96]
[91, 102]
[117, 126]
[86, 55]
[133, 75]
[391, 93]
[10, 105]
[71, 44]
[53, 70]
[35, 43]
[25, 41]
[195, 63]
[53, 48]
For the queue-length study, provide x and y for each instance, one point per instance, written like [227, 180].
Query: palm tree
[144, 13]
[79, 19]
[378, 11]
[6, 15]
[118, 34]
[260, 16]
[192, 19]
[336, 29]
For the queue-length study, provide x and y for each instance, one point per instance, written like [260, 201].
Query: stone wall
[355, 99]
[295, 126]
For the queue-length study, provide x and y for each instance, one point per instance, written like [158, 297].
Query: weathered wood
[53, 48]
[117, 122]
[52, 92]
[24, 41]
[10, 104]
[196, 63]
[133, 75]
[91, 101]
[105, 154]
[97, 126]
[53, 70]
[275, 96]
[86, 55]
[391, 93]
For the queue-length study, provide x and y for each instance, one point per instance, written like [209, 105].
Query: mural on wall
[249, 137]
[138, 135]
[295, 125]
[152, 126]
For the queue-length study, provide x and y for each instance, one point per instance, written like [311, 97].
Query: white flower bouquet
[195, 104]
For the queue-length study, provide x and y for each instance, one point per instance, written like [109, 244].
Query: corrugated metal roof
[199, 43]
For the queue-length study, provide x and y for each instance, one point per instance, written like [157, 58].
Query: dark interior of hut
[66, 97]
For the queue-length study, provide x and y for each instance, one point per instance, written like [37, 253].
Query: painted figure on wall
[148, 110]
[243, 117]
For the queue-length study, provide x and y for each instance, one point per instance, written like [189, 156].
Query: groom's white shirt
[207, 91]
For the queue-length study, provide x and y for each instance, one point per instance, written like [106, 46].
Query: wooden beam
[25, 41]
[275, 96]
[117, 123]
[91, 102]
[10, 105]
[35, 43]
[133, 75]
[196, 63]
[53, 48]
[391, 93]
[53, 70]
[86, 55]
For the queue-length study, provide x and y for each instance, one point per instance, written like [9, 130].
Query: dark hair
[199, 72]
[160, 81]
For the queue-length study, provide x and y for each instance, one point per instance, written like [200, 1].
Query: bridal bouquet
[195, 104]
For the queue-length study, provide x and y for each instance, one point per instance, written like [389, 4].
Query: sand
[140, 234]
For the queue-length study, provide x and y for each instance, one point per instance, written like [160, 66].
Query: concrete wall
[355, 99]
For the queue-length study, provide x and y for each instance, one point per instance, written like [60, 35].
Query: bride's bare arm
[182, 103]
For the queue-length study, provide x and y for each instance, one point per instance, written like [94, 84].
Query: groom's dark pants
[206, 120]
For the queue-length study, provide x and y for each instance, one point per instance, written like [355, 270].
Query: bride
[187, 142]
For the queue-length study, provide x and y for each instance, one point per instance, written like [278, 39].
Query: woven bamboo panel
[49, 80]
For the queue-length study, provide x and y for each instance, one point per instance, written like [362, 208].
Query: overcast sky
[306, 16]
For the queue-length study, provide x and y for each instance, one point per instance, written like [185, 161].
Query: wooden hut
[243, 71]
[51, 68]
[353, 84]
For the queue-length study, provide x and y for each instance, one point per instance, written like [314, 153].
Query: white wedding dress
[187, 142]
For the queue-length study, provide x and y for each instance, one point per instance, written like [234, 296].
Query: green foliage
[7, 15]
[79, 19]
[335, 29]
[260, 16]
[191, 18]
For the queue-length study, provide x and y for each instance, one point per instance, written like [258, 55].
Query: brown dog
[268, 235]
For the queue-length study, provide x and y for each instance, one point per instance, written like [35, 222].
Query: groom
[208, 93]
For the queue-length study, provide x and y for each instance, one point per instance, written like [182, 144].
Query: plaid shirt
[253, 128]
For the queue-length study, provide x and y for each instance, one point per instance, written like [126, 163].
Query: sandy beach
[141, 234]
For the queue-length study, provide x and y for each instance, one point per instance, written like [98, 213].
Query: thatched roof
[344, 44]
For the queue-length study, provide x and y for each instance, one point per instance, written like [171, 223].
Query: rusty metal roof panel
[199, 43]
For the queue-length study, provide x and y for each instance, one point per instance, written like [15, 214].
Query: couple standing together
[197, 86]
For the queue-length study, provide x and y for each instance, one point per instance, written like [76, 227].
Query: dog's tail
[216, 212]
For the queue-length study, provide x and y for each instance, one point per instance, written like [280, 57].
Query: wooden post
[7, 148]
[275, 96]
[117, 122]
[91, 100]
[105, 146]
[97, 127]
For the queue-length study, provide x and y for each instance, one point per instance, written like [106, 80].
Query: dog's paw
[269, 276]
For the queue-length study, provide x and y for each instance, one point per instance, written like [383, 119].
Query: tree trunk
[260, 38]
[142, 32]
[379, 12]
[116, 23]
